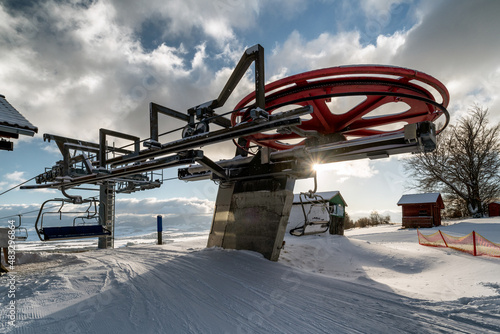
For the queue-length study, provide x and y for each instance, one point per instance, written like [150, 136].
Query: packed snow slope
[373, 280]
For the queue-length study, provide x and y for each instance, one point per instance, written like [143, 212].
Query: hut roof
[12, 123]
[421, 199]
[330, 196]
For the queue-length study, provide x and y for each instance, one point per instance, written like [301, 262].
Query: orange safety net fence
[473, 243]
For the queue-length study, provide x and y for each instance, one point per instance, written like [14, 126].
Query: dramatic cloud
[99, 65]
[186, 19]
[83, 65]
[333, 50]
[459, 43]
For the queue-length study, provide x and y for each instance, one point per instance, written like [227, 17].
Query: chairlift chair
[74, 231]
[21, 233]
[317, 217]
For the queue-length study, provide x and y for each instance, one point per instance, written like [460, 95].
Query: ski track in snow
[322, 284]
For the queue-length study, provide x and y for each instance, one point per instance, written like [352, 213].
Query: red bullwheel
[389, 98]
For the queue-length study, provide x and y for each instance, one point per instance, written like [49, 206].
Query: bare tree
[465, 165]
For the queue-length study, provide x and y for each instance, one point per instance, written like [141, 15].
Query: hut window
[423, 213]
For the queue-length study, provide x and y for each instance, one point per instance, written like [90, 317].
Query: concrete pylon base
[252, 215]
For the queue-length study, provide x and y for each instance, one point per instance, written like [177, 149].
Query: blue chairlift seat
[74, 232]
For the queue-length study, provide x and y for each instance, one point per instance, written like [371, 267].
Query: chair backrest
[70, 232]
[74, 232]
[21, 234]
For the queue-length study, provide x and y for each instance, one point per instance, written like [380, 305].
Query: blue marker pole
[159, 224]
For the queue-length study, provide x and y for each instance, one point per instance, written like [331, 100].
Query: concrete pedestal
[252, 215]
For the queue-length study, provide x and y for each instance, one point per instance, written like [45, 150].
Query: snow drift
[376, 280]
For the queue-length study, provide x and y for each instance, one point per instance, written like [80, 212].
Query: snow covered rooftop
[419, 198]
[327, 195]
[12, 123]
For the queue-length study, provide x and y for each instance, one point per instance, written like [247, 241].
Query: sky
[72, 67]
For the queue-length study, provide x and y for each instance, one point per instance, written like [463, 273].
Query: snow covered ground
[373, 280]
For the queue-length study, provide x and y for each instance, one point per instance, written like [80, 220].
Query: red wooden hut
[421, 210]
[494, 209]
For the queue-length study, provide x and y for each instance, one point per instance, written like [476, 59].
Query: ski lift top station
[280, 130]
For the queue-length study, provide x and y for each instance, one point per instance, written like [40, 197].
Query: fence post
[474, 242]
[445, 243]
[159, 225]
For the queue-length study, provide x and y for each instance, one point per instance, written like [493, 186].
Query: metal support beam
[154, 110]
[288, 118]
[407, 141]
[60, 141]
[103, 133]
[216, 169]
[416, 138]
[205, 111]
[107, 213]
[68, 160]
[183, 158]
[252, 54]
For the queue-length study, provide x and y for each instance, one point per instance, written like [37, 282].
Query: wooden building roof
[330, 196]
[12, 123]
[422, 199]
